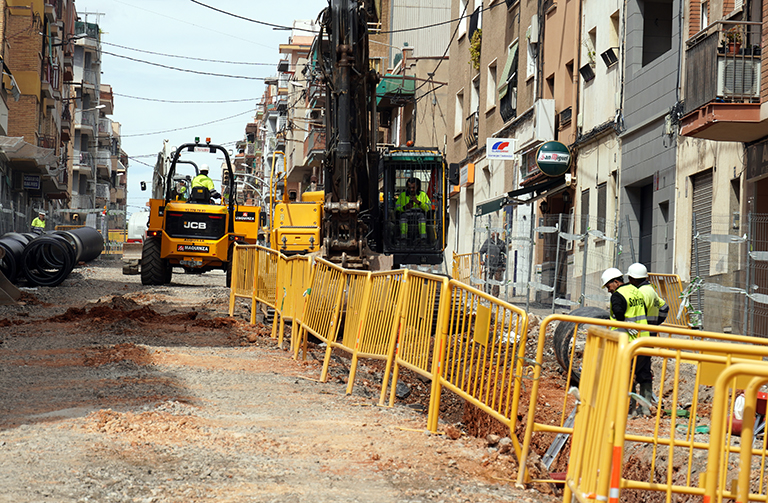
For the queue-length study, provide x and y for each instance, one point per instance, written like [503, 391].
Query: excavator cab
[414, 205]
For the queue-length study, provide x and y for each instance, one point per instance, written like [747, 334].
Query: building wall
[560, 62]
[648, 152]
[728, 162]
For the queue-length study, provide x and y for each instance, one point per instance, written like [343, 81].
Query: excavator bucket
[131, 257]
[9, 294]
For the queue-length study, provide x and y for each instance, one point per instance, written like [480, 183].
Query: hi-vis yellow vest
[635, 309]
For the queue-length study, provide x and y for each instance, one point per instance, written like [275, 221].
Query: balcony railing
[83, 158]
[105, 127]
[103, 158]
[85, 118]
[315, 141]
[470, 130]
[81, 202]
[51, 72]
[91, 77]
[46, 141]
[723, 65]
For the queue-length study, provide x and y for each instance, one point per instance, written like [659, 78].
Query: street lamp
[97, 107]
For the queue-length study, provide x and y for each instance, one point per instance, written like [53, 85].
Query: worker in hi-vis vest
[628, 304]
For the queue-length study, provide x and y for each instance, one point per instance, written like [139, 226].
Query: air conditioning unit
[738, 77]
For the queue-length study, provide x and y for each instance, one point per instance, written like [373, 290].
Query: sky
[185, 28]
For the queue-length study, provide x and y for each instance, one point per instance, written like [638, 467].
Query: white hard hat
[204, 168]
[611, 274]
[637, 271]
[41, 212]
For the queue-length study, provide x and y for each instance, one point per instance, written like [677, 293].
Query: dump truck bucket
[131, 257]
[9, 294]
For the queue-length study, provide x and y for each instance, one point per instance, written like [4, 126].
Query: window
[474, 105]
[602, 201]
[530, 66]
[584, 211]
[463, 21]
[657, 29]
[490, 90]
[459, 115]
[507, 86]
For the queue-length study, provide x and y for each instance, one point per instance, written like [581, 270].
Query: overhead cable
[189, 127]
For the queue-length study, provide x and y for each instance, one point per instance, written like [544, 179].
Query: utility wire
[182, 101]
[188, 57]
[186, 70]
[264, 23]
[189, 127]
[281, 27]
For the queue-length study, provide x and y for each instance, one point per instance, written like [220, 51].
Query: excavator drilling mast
[351, 177]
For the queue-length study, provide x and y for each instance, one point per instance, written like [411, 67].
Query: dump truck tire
[561, 340]
[154, 270]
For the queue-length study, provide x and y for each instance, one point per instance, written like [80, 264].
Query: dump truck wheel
[561, 340]
[154, 270]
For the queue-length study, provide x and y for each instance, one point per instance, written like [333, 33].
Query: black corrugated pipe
[10, 264]
[48, 260]
[89, 243]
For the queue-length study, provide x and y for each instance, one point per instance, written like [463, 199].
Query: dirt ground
[116, 392]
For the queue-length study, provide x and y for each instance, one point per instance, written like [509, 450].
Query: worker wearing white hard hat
[656, 308]
[627, 304]
[38, 224]
[202, 180]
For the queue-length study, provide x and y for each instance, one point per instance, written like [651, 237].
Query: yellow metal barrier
[590, 447]
[673, 468]
[293, 282]
[417, 328]
[265, 283]
[243, 273]
[703, 361]
[462, 266]
[482, 342]
[320, 316]
[669, 288]
[377, 328]
[750, 470]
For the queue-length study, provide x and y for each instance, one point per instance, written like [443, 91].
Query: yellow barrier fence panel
[750, 485]
[265, 284]
[243, 273]
[670, 288]
[462, 266]
[480, 354]
[294, 281]
[378, 326]
[320, 316]
[668, 452]
[539, 412]
[590, 447]
[353, 300]
[417, 329]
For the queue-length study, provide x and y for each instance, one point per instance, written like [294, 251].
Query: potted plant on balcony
[733, 36]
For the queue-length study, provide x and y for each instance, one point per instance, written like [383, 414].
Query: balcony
[85, 119]
[91, 78]
[81, 202]
[46, 141]
[314, 147]
[105, 128]
[50, 79]
[723, 82]
[66, 124]
[470, 130]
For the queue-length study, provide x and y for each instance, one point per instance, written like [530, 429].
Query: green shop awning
[394, 91]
